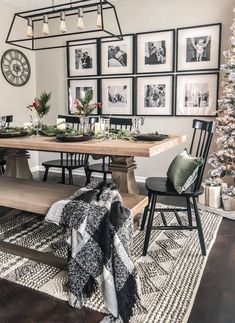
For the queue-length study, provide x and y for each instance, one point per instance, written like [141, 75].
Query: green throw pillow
[183, 170]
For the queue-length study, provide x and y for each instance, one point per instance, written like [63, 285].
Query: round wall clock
[15, 67]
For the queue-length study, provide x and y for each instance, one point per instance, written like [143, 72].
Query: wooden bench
[37, 197]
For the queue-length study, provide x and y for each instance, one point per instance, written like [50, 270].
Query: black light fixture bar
[50, 13]
[71, 5]
[71, 9]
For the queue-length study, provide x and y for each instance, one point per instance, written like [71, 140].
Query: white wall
[15, 99]
[138, 16]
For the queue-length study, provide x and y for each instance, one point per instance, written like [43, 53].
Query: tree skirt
[170, 274]
[221, 212]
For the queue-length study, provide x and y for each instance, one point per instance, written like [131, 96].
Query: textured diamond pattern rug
[170, 274]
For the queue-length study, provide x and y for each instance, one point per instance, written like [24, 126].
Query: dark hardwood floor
[215, 300]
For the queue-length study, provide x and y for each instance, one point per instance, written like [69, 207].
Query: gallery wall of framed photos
[158, 73]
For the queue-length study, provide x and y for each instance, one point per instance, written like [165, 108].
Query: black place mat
[65, 138]
[150, 137]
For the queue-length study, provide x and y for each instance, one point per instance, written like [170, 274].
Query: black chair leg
[45, 174]
[88, 177]
[144, 217]
[105, 177]
[63, 176]
[189, 211]
[150, 222]
[199, 227]
[70, 177]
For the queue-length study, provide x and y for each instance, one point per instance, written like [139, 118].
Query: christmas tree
[223, 160]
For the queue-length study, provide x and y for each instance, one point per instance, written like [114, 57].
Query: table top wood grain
[105, 147]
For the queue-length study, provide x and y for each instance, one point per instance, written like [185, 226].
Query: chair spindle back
[200, 144]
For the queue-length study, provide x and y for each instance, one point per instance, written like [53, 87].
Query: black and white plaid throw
[99, 231]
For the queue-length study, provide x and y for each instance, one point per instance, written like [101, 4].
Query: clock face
[15, 67]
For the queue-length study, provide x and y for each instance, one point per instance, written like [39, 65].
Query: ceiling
[32, 4]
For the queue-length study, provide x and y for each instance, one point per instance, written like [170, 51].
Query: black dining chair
[161, 186]
[2, 164]
[68, 161]
[103, 166]
[7, 120]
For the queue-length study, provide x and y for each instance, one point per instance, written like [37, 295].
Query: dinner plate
[12, 134]
[66, 138]
[150, 137]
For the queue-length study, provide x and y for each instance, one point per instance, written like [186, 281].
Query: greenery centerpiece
[83, 108]
[39, 108]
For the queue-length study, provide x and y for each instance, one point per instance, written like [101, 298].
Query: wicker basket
[229, 203]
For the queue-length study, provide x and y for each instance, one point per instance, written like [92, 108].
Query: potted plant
[83, 108]
[39, 108]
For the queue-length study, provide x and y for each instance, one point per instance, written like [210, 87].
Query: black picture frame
[191, 76]
[216, 51]
[70, 97]
[132, 54]
[138, 95]
[96, 46]
[171, 61]
[132, 96]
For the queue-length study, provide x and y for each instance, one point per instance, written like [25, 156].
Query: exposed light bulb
[80, 24]
[45, 28]
[63, 27]
[29, 31]
[99, 17]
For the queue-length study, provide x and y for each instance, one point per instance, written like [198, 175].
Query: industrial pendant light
[99, 17]
[80, 24]
[63, 27]
[45, 28]
[74, 14]
[29, 31]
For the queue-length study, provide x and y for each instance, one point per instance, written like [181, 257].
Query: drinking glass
[105, 125]
[2, 123]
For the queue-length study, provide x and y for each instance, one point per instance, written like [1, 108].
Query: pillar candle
[215, 196]
[61, 124]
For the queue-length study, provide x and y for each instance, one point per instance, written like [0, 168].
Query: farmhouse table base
[123, 174]
[122, 169]
[17, 165]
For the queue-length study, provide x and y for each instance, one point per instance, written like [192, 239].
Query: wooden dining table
[20, 193]
[122, 154]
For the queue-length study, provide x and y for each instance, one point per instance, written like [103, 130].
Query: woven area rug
[170, 274]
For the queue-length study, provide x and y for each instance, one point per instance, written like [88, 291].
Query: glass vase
[84, 125]
[36, 124]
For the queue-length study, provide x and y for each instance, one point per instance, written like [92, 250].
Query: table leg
[123, 174]
[17, 165]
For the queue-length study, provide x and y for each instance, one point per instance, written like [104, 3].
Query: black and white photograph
[117, 56]
[155, 52]
[82, 59]
[155, 95]
[117, 96]
[197, 94]
[198, 48]
[81, 91]
[77, 89]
